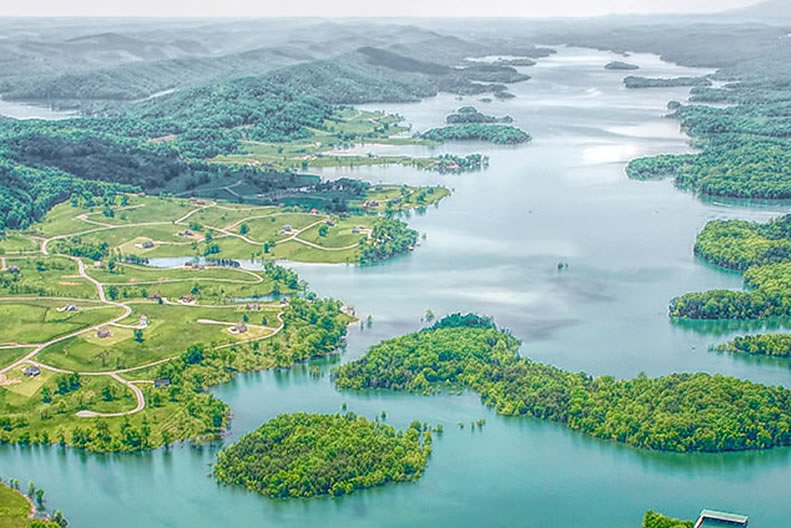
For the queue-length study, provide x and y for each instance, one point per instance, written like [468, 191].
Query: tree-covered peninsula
[634, 81]
[305, 455]
[620, 65]
[499, 134]
[763, 250]
[679, 412]
[653, 519]
[470, 114]
[777, 345]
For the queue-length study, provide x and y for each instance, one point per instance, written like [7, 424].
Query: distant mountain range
[775, 12]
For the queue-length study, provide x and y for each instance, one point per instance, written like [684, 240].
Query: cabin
[144, 321]
[240, 328]
[253, 307]
[355, 230]
[155, 296]
[102, 333]
[32, 371]
[186, 233]
[370, 203]
[314, 211]
[13, 269]
[712, 517]
[330, 223]
[98, 264]
[286, 228]
[187, 299]
[285, 301]
[162, 382]
[147, 244]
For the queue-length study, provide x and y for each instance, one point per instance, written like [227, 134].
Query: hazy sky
[358, 7]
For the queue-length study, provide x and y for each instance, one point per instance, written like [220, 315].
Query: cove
[493, 247]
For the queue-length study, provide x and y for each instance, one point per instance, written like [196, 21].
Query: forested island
[634, 81]
[679, 412]
[305, 455]
[499, 134]
[777, 345]
[470, 114]
[620, 65]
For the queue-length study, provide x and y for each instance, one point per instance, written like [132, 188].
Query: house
[314, 211]
[330, 223]
[186, 233]
[98, 264]
[147, 244]
[144, 321]
[32, 371]
[253, 307]
[162, 382]
[188, 299]
[13, 269]
[285, 301]
[101, 333]
[155, 296]
[69, 308]
[287, 228]
[240, 328]
[370, 203]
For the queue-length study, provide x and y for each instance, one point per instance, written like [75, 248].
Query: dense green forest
[767, 295]
[763, 250]
[470, 114]
[500, 134]
[634, 81]
[679, 412]
[653, 519]
[739, 244]
[304, 455]
[778, 345]
[389, 236]
[620, 65]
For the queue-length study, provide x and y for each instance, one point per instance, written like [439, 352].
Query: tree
[138, 335]
[429, 317]
[323, 230]
[244, 229]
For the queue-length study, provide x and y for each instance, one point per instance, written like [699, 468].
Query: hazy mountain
[769, 12]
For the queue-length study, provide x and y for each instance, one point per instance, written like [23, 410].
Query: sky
[529, 8]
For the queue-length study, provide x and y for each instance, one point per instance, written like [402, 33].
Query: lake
[493, 247]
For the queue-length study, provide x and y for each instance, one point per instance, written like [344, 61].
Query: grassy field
[167, 325]
[393, 198]
[38, 321]
[10, 355]
[44, 276]
[340, 234]
[271, 228]
[15, 243]
[347, 128]
[14, 509]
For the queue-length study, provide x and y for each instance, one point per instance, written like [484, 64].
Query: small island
[634, 81]
[620, 65]
[499, 134]
[470, 114]
[678, 412]
[306, 455]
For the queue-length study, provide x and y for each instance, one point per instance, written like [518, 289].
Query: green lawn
[14, 509]
[393, 198]
[39, 321]
[44, 276]
[9, 355]
[271, 228]
[339, 235]
[167, 325]
[16, 242]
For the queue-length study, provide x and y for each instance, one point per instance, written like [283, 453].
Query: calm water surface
[493, 247]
